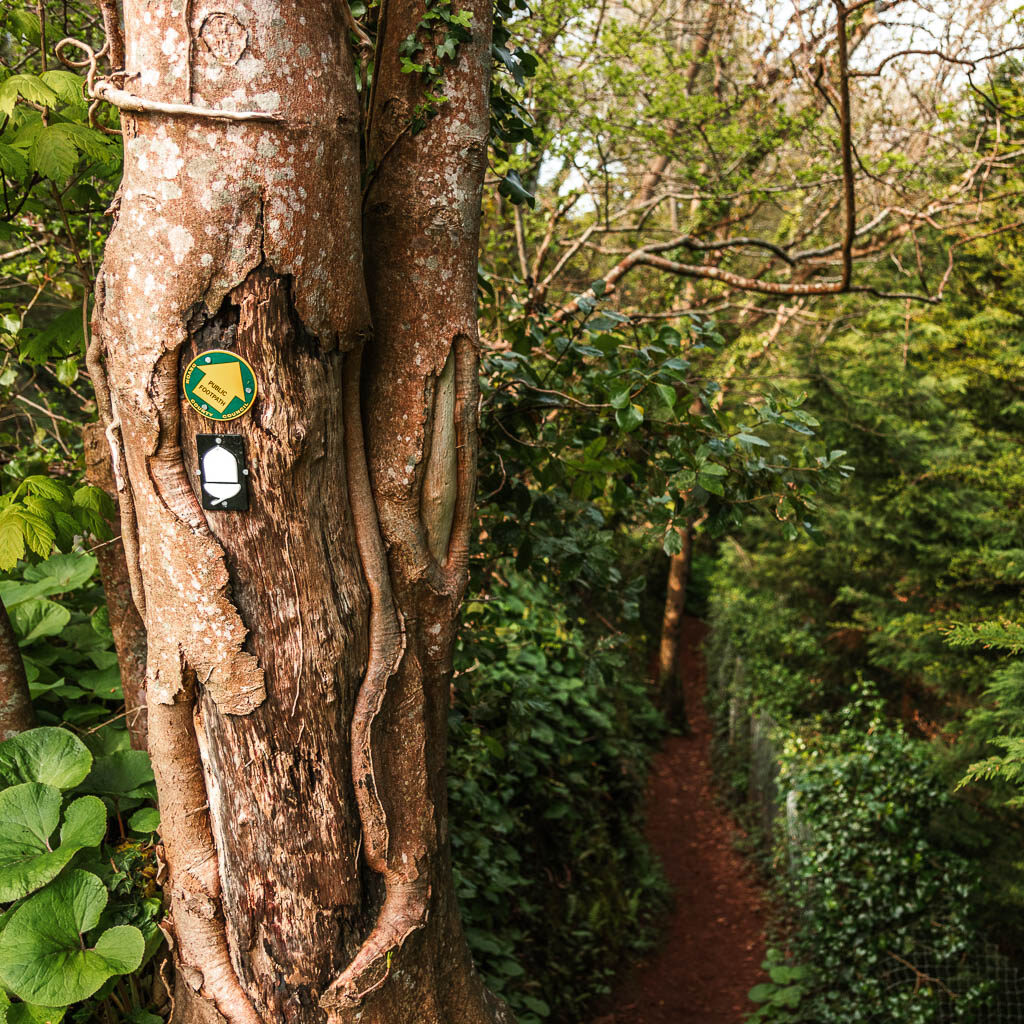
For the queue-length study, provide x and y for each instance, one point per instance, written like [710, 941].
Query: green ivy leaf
[789, 996]
[41, 956]
[783, 975]
[52, 756]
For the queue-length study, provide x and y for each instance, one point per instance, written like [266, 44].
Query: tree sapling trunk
[16, 714]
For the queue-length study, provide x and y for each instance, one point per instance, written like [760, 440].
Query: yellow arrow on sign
[221, 383]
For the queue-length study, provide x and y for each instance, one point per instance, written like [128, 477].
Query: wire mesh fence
[982, 987]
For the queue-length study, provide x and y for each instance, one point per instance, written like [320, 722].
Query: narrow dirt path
[710, 953]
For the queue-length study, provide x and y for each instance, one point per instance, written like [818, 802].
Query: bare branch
[846, 147]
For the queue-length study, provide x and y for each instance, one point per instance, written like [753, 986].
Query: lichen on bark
[299, 653]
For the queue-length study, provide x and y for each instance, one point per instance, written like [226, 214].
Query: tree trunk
[670, 677]
[125, 622]
[299, 652]
[16, 714]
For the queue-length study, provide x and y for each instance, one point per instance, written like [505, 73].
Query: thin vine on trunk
[125, 622]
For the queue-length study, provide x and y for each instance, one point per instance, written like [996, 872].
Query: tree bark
[125, 621]
[16, 714]
[421, 234]
[299, 653]
[670, 680]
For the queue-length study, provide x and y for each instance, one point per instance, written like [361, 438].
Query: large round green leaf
[28, 818]
[50, 755]
[146, 819]
[85, 822]
[26, 1013]
[29, 814]
[122, 774]
[41, 956]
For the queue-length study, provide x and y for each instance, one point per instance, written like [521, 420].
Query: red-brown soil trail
[709, 955]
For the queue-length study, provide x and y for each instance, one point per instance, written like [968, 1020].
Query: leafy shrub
[40, 512]
[59, 617]
[871, 839]
[780, 996]
[551, 732]
[80, 909]
[883, 905]
[781, 647]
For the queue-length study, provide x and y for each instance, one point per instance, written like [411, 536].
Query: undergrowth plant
[871, 845]
[552, 727]
[59, 617]
[81, 906]
[883, 903]
[76, 881]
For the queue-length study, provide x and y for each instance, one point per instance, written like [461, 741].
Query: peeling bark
[299, 653]
[125, 622]
[16, 714]
[194, 889]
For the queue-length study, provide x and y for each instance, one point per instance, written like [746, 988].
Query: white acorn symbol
[220, 474]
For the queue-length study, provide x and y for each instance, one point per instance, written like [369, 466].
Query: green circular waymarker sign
[219, 385]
